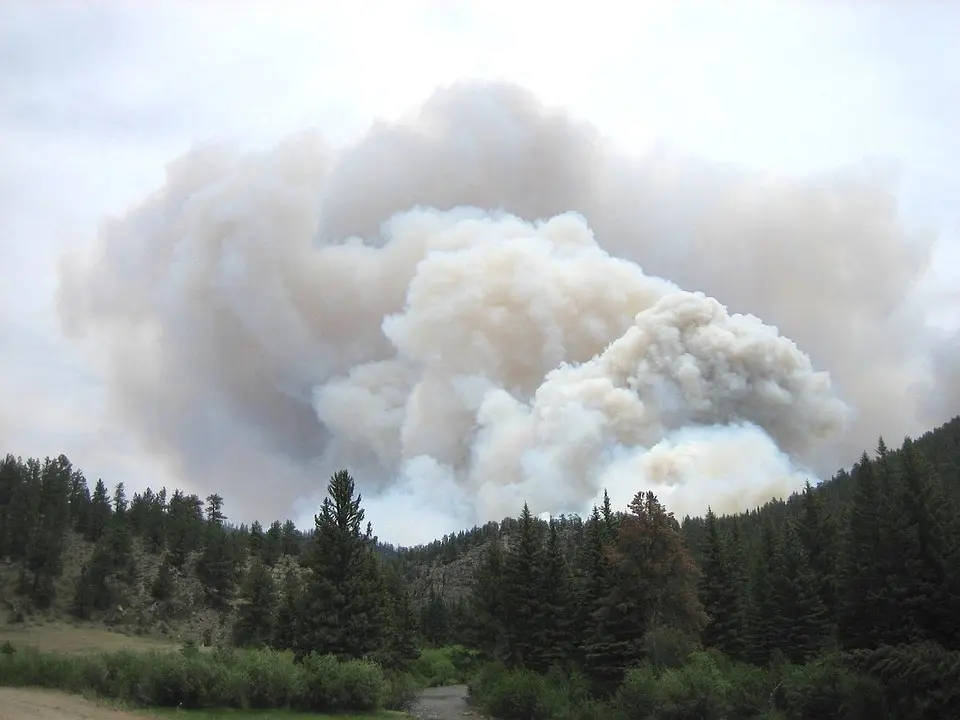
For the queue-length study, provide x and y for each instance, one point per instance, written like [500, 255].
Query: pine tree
[760, 629]
[594, 582]
[217, 568]
[521, 591]
[119, 500]
[285, 630]
[800, 623]
[553, 632]
[100, 512]
[215, 514]
[273, 543]
[162, 588]
[45, 550]
[254, 626]
[104, 580]
[925, 536]
[720, 594]
[289, 539]
[256, 540]
[435, 620]
[12, 517]
[655, 585]
[344, 609]
[402, 644]
[859, 618]
[819, 536]
[487, 604]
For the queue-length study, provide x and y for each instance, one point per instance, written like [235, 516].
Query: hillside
[169, 535]
[844, 595]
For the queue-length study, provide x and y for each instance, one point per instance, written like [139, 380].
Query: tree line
[865, 561]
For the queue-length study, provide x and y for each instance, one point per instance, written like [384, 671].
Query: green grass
[267, 715]
[64, 638]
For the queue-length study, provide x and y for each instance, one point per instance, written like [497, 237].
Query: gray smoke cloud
[468, 308]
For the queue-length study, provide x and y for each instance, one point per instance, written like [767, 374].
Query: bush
[824, 690]
[402, 692]
[436, 667]
[261, 679]
[525, 695]
[708, 686]
[919, 681]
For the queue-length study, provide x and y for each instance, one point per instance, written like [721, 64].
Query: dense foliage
[840, 601]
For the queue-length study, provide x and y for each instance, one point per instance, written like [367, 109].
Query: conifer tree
[344, 608]
[553, 632]
[48, 539]
[522, 591]
[799, 620]
[720, 594]
[100, 512]
[860, 619]
[595, 578]
[217, 568]
[488, 603]
[254, 625]
[273, 543]
[256, 540]
[162, 588]
[655, 585]
[760, 631]
[435, 620]
[925, 534]
[818, 534]
[285, 630]
[402, 645]
[12, 518]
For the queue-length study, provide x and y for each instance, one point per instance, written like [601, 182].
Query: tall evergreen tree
[720, 594]
[254, 625]
[435, 619]
[926, 536]
[100, 512]
[217, 567]
[522, 592]
[488, 603]
[800, 623]
[818, 533]
[862, 577]
[344, 608]
[553, 632]
[285, 630]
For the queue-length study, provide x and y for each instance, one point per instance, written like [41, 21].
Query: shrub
[919, 680]
[435, 667]
[259, 679]
[402, 691]
[824, 689]
[525, 695]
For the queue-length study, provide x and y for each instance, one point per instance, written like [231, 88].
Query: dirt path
[29, 704]
[444, 703]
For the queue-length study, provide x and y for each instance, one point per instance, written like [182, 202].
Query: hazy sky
[97, 97]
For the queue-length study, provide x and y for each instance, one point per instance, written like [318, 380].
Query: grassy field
[268, 715]
[30, 704]
[65, 638]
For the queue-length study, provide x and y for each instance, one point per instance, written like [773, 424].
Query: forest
[841, 601]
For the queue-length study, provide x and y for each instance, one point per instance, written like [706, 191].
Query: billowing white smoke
[429, 309]
[502, 384]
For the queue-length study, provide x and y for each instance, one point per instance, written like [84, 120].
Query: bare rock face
[453, 580]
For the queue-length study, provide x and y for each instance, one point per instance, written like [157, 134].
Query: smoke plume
[468, 309]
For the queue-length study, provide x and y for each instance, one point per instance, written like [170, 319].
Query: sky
[97, 98]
